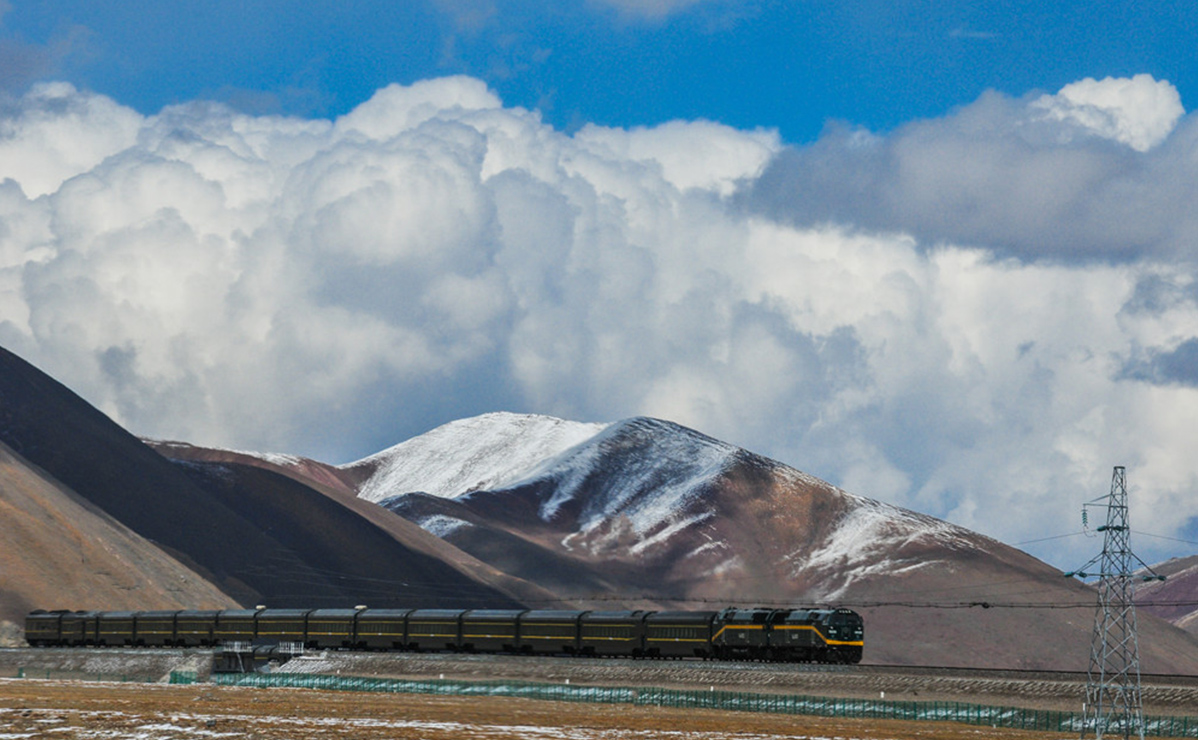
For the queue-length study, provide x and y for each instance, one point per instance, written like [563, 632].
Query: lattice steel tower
[1113, 701]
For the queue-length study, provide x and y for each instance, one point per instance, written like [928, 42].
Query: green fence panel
[975, 714]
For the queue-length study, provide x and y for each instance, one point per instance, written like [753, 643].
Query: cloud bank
[1102, 169]
[975, 316]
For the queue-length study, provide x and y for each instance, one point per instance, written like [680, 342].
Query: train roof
[384, 613]
[614, 616]
[681, 616]
[552, 614]
[494, 614]
[237, 613]
[338, 612]
[436, 613]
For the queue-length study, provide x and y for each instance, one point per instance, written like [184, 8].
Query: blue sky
[940, 254]
[785, 65]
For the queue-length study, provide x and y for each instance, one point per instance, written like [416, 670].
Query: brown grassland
[116, 711]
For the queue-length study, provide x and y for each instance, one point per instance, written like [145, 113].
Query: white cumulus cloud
[1139, 112]
[919, 316]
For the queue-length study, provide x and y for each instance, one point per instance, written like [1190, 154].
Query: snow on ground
[481, 453]
[120, 725]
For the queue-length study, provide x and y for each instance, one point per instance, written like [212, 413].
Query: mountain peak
[643, 469]
[482, 452]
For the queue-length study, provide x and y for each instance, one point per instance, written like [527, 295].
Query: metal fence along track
[935, 711]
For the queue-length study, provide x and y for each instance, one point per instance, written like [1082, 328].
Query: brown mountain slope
[1176, 598]
[232, 539]
[58, 551]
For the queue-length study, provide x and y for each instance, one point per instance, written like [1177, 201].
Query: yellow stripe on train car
[610, 639]
[737, 627]
[676, 639]
[813, 628]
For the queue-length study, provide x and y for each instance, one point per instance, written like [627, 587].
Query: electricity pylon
[1113, 705]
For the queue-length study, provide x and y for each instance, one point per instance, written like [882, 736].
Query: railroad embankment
[1163, 695]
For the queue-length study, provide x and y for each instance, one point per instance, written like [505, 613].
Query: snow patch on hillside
[669, 531]
[654, 489]
[211, 471]
[481, 453]
[731, 565]
[442, 526]
[274, 458]
[867, 539]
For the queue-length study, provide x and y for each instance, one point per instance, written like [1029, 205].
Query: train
[823, 635]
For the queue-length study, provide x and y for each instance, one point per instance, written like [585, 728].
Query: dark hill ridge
[343, 558]
[567, 578]
[217, 468]
[258, 536]
[314, 474]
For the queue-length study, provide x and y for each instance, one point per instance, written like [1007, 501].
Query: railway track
[1015, 674]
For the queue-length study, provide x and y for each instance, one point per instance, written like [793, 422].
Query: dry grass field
[70, 710]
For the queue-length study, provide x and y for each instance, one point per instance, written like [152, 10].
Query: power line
[1046, 539]
[1165, 537]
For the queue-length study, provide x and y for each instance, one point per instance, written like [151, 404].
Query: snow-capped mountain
[484, 452]
[644, 512]
[640, 505]
[672, 502]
